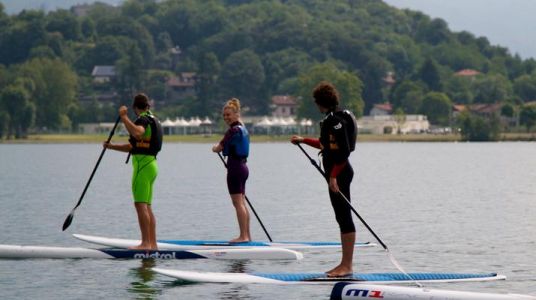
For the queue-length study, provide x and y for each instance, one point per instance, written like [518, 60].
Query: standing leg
[345, 267]
[248, 234]
[152, 228]
[143, 177]
[144, 221]
[343, 214]
[242, 215]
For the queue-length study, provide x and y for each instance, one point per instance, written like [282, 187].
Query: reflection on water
[142, 287]
[237, 292]
[238, 266]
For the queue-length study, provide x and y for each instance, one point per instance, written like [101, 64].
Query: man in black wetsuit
[338, 132]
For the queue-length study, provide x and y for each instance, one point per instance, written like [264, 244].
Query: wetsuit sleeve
[315, 143]
[141, 121]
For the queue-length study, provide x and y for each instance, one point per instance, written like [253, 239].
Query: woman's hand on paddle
[296, 139]
[333, 186]
[217, 148]
[107, 145]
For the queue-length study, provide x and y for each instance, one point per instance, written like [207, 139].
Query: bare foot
[339, 271]
[143, 247]
[240, 240]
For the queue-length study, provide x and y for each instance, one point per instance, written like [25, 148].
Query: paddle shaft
[249, 203]
[313, 162]
[71, 215]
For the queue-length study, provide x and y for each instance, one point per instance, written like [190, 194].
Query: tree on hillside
[106, 51]
[207, 78]
[190, 21]
[54, 92]
[348, 84]
[403, 55]
[433, 32]
[130, 72]
[132, 29]
[437, 107]
[137, 8]
[525, 87]
[372, 74]
[429, 74]
[408, 96]
[478, 129]
[4, 122]
[460, 89]
[243, 76]
[25, 33]
[528, 116]
[492, 88]
[20, 112]
[282, 65]
[66, 23]
[3, 16]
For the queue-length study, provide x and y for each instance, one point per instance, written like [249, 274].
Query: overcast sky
[509, 23]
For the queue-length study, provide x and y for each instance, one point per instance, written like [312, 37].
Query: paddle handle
[249, 203]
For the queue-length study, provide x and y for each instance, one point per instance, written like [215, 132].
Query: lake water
[440, 207]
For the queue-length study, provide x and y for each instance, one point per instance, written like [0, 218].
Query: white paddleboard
[210, 244]
[18, 252]
[320, 278]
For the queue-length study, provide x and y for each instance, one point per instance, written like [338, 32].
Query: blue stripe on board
[142, 254]
[211, 243]
[372, 276]
[249, 244]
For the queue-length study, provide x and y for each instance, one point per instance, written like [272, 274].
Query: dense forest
[250, 49]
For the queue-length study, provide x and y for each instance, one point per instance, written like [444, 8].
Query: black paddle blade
[68, 221]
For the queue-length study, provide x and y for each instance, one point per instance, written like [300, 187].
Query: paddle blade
[68, 221]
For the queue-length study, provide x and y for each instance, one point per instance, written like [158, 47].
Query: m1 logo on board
[364, 293]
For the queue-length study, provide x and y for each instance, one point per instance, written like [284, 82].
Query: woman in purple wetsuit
[235, 145]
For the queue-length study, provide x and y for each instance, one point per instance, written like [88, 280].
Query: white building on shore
[393, 124]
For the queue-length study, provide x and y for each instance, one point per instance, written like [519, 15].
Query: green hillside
[252, 50]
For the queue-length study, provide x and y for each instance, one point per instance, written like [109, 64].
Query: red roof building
[467, 73]
[180, 87]
[284, 106]
[381, 109]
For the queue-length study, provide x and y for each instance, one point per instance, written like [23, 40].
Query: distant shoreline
[83, 138]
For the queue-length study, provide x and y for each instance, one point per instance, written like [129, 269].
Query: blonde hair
[233, 104]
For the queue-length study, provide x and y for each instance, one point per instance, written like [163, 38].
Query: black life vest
[149, 145]
[334, 121]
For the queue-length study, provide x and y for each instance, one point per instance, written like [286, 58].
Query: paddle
[393, 260]
[249, 203]
[69, 218]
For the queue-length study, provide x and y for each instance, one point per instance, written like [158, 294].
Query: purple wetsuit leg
[237, 174]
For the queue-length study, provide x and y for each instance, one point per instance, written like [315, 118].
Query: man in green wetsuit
[144, 144]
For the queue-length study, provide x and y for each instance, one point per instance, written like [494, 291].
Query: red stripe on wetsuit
[337, 168]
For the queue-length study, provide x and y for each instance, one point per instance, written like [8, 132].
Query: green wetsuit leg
[145, 170]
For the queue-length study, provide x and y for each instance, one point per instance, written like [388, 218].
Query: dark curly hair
[326, 95]
[141, 101]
